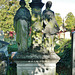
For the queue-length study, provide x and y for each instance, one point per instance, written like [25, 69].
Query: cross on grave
[3, 47]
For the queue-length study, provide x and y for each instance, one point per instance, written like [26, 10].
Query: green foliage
[64, 51]
[70, 21]
[58, 19]
[2, 2]
[12, 48]
[67, 56]
[11, 69]
[62, 47]
[7, 12]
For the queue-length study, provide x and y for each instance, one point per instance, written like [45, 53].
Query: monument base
[36, 64]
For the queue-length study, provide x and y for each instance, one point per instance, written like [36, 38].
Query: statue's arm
[56, 22]
[43, 15]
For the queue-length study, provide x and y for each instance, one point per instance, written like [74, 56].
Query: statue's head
[48, 4]
[22, 3]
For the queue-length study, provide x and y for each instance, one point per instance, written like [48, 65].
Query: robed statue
[22, 21]
[50, 27]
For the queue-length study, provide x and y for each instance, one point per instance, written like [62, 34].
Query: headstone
[4, 47]
[73, 53]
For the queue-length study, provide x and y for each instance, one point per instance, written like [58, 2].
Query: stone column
[73, 53]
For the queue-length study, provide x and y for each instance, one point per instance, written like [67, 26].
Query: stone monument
[35, 61]
[73, 53]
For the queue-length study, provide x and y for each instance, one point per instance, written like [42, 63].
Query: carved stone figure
[50, 26]
[22, 24]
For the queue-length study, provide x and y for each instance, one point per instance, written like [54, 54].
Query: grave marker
[3, 47]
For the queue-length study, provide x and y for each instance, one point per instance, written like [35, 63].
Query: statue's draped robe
[50, 23]
[22, 24]
[50, 28]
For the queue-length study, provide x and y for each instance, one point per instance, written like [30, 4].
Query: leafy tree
[58, 19]
[7, 12]
[70, 21]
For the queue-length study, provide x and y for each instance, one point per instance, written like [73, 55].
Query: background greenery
[7, 12]
[9, 8]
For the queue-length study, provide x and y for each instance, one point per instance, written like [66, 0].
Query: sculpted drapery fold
[22, 25]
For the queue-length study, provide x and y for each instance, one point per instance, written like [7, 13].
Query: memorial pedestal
[36, 64]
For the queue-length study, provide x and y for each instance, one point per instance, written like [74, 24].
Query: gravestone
[4, 47]
[36, 61]
[4, 55]
[73, 53]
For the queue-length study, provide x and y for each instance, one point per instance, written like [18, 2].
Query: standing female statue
[22, 24]
[50, 26]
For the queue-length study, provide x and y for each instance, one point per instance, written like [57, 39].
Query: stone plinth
[36, 63]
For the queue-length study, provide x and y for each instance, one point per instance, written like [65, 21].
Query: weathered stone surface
[36, 68]
[26, 56]
[36, 63]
